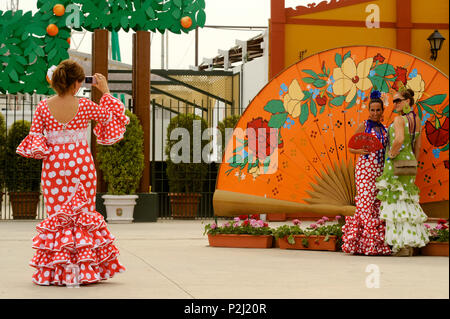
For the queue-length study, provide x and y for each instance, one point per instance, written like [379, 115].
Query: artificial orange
[52, 30]
[186, 22]
[59, 10]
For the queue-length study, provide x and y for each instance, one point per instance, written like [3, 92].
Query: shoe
[403, 252]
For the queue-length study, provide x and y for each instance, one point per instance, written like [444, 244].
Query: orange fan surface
[313, 109]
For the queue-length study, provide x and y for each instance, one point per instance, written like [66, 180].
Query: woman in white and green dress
[399, 195]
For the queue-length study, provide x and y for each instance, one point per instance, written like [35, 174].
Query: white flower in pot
[122, 165]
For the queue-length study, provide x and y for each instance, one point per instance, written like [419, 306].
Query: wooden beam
[276, 37]
[141, 97]
[99, 65]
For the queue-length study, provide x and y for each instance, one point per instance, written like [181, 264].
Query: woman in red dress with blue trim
[364, 232]
[73, 234]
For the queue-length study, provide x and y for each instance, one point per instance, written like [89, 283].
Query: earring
[406, 109]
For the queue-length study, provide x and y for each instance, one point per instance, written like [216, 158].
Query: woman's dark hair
[66, 74]
[377, 100]
[408, 94]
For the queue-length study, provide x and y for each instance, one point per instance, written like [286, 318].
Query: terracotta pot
[435, 248]
[240, 241]
[24, 205]
[184, 205]
[314, 243]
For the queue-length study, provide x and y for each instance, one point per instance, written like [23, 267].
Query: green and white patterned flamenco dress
[399, 197]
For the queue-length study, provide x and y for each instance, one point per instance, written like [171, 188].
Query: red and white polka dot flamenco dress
[73, 232]
[364, 232]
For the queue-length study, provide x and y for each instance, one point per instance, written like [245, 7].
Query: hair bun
[411, 92]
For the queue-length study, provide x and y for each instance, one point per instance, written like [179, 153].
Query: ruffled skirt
[74, 236]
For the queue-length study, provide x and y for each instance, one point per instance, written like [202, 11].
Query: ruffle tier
[34, 146]
[365, 238]
[112, 130]
[402, 213]
[74, 236]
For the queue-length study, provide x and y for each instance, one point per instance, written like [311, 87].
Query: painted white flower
[417, 84]
[292, 99]
[349, 78]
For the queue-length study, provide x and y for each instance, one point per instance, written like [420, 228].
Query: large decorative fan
[313, 108]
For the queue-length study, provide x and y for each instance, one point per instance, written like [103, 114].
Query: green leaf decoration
[347, 55]
[201, 18]
[319, 83]
[274, 106]
[322, 109]
[308, 80]
[313, 108]
[427, 108]
[352, 102]
[304, 114]
[311, 72]
[337, 101]
[445, 148]
[435, 99]
[307, 95]
[338, 59]
[445, 111]
[277, 120]
[384, 70]
[377, 82]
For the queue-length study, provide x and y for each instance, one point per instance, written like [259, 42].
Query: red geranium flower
[245, 223]
[255, 216]
[400, 73]
[442, 221]
[266, 225]
[243, 217]
[444, 226]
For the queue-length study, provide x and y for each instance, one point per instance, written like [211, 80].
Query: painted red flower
[262, 140]
[321, 100]
[401, 74]
[378, 58]
[437, 137]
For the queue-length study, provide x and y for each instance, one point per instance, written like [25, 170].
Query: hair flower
[50, 73]
[375, 94]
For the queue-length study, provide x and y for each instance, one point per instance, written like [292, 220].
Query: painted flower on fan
[263, 142]
[255, 171]
[400, 77]
[321, 100]
[417, 84]
[292, 99]
[351, 77]
[378, 58]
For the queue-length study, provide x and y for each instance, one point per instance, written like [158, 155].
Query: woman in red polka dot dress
[364, 232]
[73, 233]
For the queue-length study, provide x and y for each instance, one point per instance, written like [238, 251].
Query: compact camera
[90, 80]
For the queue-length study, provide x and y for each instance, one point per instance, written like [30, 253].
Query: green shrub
[185, 177]
[2, 151]
[22, 174]
[122, 163]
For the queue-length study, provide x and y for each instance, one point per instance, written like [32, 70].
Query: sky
[182, 47]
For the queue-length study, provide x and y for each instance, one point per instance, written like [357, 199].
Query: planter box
[435, 248]
[314, 243]
[119, 208]
[240, 241]
[24, 204]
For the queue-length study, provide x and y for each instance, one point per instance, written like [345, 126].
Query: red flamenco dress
[73, 233]
[364, 233]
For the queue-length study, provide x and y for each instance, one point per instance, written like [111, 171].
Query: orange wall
[317, 38]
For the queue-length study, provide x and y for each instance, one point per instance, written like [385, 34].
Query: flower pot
[240, 241]
[184, 205]
[119, 208]
[24, 204]
[435, 248]
[314, 243]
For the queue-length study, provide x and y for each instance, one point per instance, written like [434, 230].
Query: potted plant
[241, 233]
[23, 175]
[2, 156]
[122, 164]
[438, 245]
[185, 177]
[317, 236]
